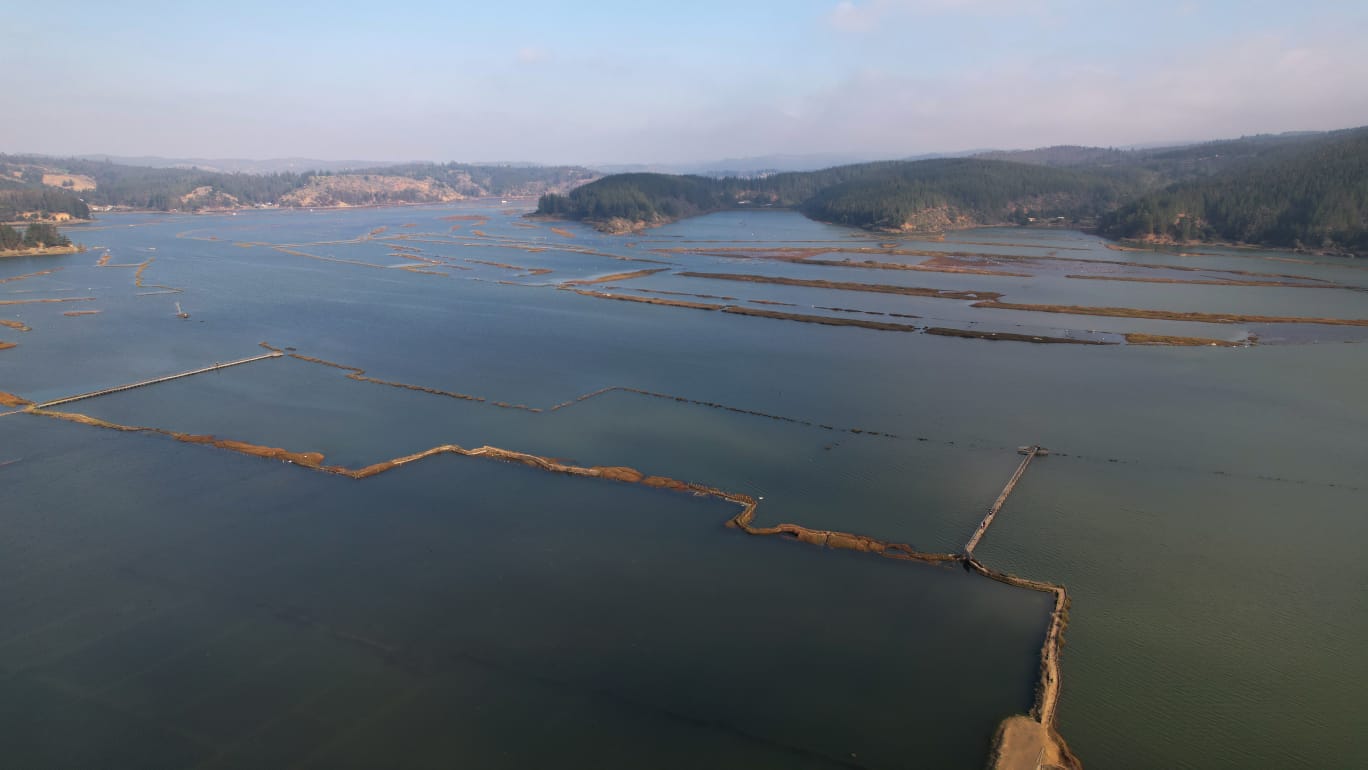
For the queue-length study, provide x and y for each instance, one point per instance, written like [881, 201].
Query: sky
[599, 82]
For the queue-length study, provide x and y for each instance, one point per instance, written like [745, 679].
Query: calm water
[174, 605]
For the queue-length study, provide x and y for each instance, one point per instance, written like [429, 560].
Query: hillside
[366, 190]
[900, 195]
[1303, 195]
[963, 192]
[26, 204]
[102, 184]
[1290, 190]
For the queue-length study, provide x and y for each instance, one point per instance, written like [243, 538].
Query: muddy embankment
[529, 271]
[27, 276]
[979, 334]
[45, 300]
[614, 277]
[1168, 315]
[1212, 281]
[1135, 338]
[877, 288]
[826, 320]
[10, 399]
[1044, 738]
[991, 264]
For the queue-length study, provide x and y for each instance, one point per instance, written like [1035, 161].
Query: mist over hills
[235, 165]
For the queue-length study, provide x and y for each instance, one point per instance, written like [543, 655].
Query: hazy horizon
[715, 163]
[615, 84]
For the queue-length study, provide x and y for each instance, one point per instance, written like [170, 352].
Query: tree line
[17, 204]
[874, 195]
[1308, 195]
[1289, 191]
[38, 235]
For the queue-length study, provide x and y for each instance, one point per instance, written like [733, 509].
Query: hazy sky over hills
[618, 81]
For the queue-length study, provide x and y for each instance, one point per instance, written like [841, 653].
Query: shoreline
[47, 251]
[1115, 244]
[1177, 247]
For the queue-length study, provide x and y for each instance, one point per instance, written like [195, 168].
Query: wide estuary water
[198, 572]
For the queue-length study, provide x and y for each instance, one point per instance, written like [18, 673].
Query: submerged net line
[358, 374]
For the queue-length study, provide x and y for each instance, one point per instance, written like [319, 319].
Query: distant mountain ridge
[237, 165]
[41, 188]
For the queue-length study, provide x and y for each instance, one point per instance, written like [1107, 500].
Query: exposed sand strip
[614, 277]
[26, 276]
[1169, 315]
[1212, 282]
[10, 399]
[45, 300]
[1135, 338]
[878, 288]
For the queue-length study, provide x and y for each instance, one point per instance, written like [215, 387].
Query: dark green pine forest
[1310, 195]
[1292, 191]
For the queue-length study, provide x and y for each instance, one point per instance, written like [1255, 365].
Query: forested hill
[948, 193]
[898, 195]
[43, 186]
[1311, 194]
[1292, 190]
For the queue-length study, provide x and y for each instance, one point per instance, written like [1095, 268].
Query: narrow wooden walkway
[999, 502]
[144, 383]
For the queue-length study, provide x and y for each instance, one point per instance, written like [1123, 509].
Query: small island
[37, 239]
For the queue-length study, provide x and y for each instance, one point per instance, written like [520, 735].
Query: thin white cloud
[1262, 84]
[866, 15]
[1259, 85]
[532, 55]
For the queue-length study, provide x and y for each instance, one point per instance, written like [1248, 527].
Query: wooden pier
[144, 383]
[1001, 500]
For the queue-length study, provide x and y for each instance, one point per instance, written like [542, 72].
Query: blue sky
[605, 82]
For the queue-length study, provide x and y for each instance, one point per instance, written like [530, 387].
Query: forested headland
[1292, 191]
